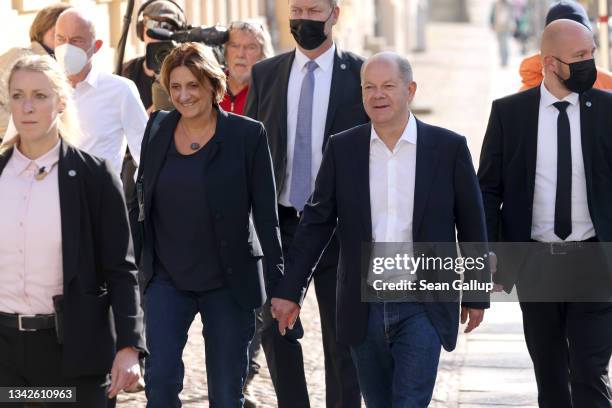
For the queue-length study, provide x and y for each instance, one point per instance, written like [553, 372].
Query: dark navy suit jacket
[267, 102]
[508, 165]
[447, 206]
[239, 183]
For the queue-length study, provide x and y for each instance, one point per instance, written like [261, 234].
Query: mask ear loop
[557, 75]
[561, 61]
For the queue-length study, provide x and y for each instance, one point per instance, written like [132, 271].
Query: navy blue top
[185, 251]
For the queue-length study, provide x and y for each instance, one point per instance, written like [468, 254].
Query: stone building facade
[365, 26]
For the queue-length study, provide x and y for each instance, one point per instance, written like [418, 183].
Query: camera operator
[164, 14]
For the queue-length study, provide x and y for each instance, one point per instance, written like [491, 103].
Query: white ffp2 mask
[71, 58]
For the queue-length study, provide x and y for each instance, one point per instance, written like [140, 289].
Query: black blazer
[267, 101]
[508, 165]
[240, 182]
[99, 270]
[446, 197]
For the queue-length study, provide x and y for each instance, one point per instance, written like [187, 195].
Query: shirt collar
[409, 134]
[324, 61]
[93, 77]
[547, 99]
[20, 162]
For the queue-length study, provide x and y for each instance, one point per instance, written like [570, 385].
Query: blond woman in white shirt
[65, 251]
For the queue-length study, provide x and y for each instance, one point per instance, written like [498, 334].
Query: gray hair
[402, 63]
[259, 31]
[332, 3]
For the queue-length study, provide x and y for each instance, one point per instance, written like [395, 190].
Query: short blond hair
[68, 125]
[45, 20]
[201, 61]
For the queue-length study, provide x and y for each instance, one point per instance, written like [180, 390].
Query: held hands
[286, 312]
[475, 318]
[125, 372]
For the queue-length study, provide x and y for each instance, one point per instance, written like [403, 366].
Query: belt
[564, 248]
[24, 322]
[288, 212]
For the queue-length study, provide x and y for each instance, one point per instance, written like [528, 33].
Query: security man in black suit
[303, 97]
[546, 176]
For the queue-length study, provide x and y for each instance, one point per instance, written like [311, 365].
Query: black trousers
[284, 353]
[570, 343]
[255, 346]
[34, 359]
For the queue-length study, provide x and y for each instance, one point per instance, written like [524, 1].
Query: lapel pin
[588, 104]
[71, 173]
[342, 66]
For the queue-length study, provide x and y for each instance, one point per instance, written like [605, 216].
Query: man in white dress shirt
[110, 112]
[396, 180]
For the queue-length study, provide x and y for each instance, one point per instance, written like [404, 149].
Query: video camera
[214, 36]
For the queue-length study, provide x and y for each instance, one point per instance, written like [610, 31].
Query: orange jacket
[531, 74]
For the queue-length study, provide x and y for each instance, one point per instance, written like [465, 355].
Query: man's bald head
[75, 27]
[565, 42]
[566, 37]
[78, 21]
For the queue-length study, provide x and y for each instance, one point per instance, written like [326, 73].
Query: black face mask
[583, 75]
[309, 34]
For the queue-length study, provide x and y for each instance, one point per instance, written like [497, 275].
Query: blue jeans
[227, 330]
[397, 363]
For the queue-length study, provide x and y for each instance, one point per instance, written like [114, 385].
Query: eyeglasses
[166, 25]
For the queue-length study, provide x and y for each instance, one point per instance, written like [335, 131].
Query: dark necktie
[563, 202]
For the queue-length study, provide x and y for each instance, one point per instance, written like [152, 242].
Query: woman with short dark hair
[203, 173]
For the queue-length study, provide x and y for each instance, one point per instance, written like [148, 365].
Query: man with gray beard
[248, 43]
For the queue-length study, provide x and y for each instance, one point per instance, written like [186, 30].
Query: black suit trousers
[34, 359]
[570, 343]
[284, 353]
